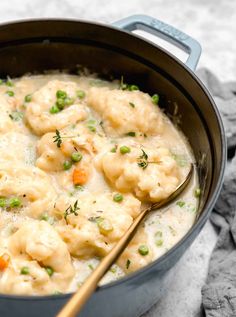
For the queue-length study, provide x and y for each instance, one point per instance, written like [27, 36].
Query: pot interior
[38, 46]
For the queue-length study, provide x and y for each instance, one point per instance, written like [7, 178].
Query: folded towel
[219, 291]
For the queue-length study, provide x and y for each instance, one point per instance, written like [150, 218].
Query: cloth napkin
[219, 291]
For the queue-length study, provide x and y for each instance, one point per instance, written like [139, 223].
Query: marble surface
[213, 24]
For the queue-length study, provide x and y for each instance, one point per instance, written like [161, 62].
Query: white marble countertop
[213, 24]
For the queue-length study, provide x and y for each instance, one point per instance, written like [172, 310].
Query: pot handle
[166, 32]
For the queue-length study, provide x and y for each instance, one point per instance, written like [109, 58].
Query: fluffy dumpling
[52, 155]
[131, 260]
[125, 111]
[39, 262]
[97, 223]
[31, 187]
[38, 114]
[151, 174]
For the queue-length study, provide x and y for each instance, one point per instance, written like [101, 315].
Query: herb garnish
[58, 138]
[16, 115]
[91, 125]
[143, 160]
[132, 104]
[71, 210]
[128, 262]
[94, 219]
[131, 133]
[91, 266]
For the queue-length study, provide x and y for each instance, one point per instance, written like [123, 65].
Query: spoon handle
[75, 304]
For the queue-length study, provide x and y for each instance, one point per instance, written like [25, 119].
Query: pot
[39, 45]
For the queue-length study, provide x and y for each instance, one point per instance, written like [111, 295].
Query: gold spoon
[77, 301]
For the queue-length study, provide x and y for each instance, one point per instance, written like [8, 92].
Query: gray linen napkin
[219, 291]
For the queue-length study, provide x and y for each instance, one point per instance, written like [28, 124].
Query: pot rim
[209, 203]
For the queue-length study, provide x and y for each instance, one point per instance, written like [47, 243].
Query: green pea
[133, 87]
[54, 109]
[24, 270]
[10, 93]
[68, 101]
[67, 165]
[9, 83]
[49, 270]
[143, 249]
[61, 94]
[118, 198]
[3, 202]
[44, 217]
[28, 98]
[80, 94]
[92, 128]
[14, 202]
[159, 243]
[76, 156]
[60, 103]
[180, 203]
[113, 150]
[155, 99]
[124, 149]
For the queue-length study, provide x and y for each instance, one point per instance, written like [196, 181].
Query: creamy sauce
[78, 157]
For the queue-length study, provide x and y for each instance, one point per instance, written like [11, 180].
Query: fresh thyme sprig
[143, 160]
[71, 210]
[58, 138]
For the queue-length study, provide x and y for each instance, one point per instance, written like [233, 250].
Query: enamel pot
[38, 45]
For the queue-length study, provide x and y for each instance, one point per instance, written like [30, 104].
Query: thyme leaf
[72, 210]
[128, 262]
[143, 160]
[57, 139]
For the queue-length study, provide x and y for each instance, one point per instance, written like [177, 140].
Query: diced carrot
[4, 261]
[80, 176]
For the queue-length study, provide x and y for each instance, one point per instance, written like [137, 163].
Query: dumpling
[39, 262]
[38, 114]
[151, 174]
[31, 187]
[97, 223]
[125, 111]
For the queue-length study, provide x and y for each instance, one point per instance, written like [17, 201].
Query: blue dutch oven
[39, 45]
